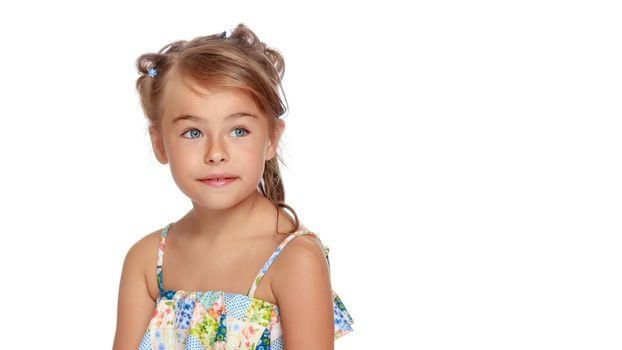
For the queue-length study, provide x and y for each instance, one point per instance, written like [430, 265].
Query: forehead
[182, 95]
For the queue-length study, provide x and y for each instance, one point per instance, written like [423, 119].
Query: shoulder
[143, 248]
[135, 302]
[302, 257]
[302, 248]
[143, 255]
[302, 289]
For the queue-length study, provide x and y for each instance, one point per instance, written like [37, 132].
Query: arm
[302, 288]
[135, 306]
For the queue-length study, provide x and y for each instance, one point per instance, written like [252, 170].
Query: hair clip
[152, 72]
[225, 35]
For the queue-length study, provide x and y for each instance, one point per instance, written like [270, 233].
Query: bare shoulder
[148, 242]
[303, 249]
[135, 303]
[303, 254]
[142, 257]
[301, 286]
[146, 251]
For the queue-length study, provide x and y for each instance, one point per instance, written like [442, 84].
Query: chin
[218, 198]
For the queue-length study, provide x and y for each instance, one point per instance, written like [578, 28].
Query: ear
[158, 145]
[272, 144]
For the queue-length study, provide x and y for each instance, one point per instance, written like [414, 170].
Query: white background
[462, 160]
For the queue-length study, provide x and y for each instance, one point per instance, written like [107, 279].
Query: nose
[215, 153]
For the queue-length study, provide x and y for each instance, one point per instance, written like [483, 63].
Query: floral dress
[202, 320]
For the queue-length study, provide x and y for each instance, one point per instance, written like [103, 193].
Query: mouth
[218, 181]
[220, 178]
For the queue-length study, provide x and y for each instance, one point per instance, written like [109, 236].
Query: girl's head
[214, 107]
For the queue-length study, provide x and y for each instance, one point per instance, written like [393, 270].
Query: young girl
[235, 272]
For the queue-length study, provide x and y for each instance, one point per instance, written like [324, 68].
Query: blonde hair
[240, 61]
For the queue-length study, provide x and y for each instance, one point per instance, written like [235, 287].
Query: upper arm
[302, 288]
[134, 306]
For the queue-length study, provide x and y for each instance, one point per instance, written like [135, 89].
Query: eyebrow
[199, 119]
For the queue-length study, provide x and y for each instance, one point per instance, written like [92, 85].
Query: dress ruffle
[343, 320]
[220, 320]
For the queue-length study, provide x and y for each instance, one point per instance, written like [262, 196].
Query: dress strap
[278, 250]
[161, 257]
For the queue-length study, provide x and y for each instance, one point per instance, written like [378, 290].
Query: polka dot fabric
[145, 343]
[204, 320]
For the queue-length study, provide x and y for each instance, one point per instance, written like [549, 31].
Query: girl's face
[213, 132]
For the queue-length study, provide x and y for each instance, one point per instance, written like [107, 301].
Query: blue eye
[190, 130]
[240, 128]
[195, 131]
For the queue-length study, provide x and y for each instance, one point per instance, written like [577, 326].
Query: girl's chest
[230, 269]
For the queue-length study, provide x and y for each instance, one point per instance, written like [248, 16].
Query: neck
[247, 218]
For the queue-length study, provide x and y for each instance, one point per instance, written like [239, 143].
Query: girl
[228, 283]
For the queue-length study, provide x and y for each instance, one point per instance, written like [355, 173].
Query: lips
[218, 182]
[219, 177]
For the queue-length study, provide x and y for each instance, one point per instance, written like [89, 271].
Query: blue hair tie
[152, 72]
[225, 35]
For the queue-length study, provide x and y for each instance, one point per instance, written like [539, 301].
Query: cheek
[184, 160]
[252, 154]
[254, 145]
[249, 157]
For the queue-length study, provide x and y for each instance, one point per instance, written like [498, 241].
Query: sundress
[204, 320]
